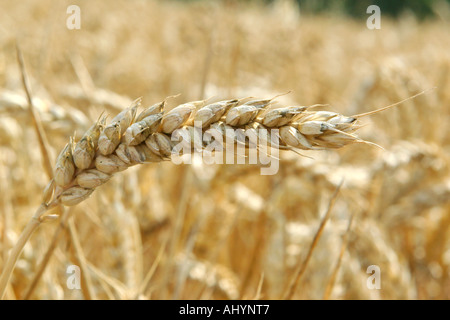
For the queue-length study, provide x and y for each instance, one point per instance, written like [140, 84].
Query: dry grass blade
[302, 267]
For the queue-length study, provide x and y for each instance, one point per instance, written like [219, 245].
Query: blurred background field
[167, 231]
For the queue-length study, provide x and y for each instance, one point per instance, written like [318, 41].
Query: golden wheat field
[365, 221]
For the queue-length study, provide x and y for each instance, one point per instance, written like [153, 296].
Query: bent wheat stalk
[154, 135]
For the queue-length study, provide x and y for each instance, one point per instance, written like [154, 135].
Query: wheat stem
[32, 225]
[86, 284]
[40, 133]
[302, 267]
[259, 288]
[333, 276]
[48, 254]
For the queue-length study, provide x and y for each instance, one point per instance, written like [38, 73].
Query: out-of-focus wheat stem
[259, 288]
[333, 276]
[302, 267]
[48, 254]
[179, 219]
[44, 147]
[254, 255]
[145, 286]
[32, 225]
[40, 133]
[86, 284]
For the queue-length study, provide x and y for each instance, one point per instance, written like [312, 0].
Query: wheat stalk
[129, 140]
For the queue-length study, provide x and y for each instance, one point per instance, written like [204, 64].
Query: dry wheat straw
[302, 267]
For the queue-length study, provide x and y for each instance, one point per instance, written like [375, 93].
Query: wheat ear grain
[105, 150]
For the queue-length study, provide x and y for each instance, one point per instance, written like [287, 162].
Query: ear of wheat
[129, 140]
